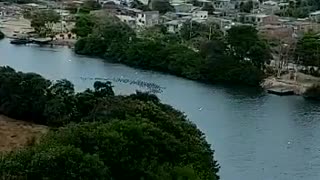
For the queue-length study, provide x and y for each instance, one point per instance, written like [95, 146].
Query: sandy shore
[11, 26]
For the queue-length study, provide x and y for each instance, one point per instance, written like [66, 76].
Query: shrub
[52, 162]
[312, 92]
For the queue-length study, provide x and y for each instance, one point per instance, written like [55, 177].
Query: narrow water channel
[256, 136]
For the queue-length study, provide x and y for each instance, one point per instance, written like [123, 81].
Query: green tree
[139, 5]
[191, 30]
[43, 20]
[312, 92]
[103, 89]
[220, 66]
[88, 6]
[52, 162]
[162, 6]
[109, 38]
[84, 25]
[184, 61]
[1, 35]
[145, 148]
[246, 45]
[246, 6]
[308, 50]
[22, 94]
[60, 105]
[179, 54]
[208, 7]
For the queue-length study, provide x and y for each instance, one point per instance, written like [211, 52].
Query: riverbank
[299, 86]
[232, 118]
[21, 28]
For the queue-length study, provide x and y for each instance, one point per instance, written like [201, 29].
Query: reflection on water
[256, 136]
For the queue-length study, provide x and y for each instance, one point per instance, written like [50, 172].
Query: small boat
[19, 41]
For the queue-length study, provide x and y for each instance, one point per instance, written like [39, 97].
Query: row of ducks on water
[152, 87]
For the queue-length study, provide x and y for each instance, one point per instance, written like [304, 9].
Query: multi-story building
[258, 19]
[200, 15]
[148, 18]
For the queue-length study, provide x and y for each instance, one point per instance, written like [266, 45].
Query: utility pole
[210, 32]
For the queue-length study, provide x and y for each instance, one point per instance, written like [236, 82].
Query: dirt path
[15, 134]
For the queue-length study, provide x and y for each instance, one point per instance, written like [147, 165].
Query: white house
[315, 16]
[174, 26]
[259, 19]
[2, 12]
[200, 15]
[283, 5]
[269, 7]
[148, 18]
[130, 20]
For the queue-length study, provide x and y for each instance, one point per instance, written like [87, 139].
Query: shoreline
[268, 83]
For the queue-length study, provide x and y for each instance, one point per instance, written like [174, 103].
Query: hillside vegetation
[97, 135]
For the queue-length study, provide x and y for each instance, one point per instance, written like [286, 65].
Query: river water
[256, 136]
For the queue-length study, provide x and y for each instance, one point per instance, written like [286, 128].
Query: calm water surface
[256, 136]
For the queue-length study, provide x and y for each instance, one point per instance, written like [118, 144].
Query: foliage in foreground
[313, 92]
[1, 35]
[188, 54]
[105, 137]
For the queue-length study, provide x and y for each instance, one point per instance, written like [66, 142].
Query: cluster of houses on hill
[225, 13]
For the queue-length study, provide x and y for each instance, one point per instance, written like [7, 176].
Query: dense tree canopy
[84, 25]
[246, 6]
[300, 8]
[308, 50]
[139, 5]
[88, 6]
[162, 6]
[184, 54]
[312, 92]
[246, 45]
[105, 137]
[208, 7]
